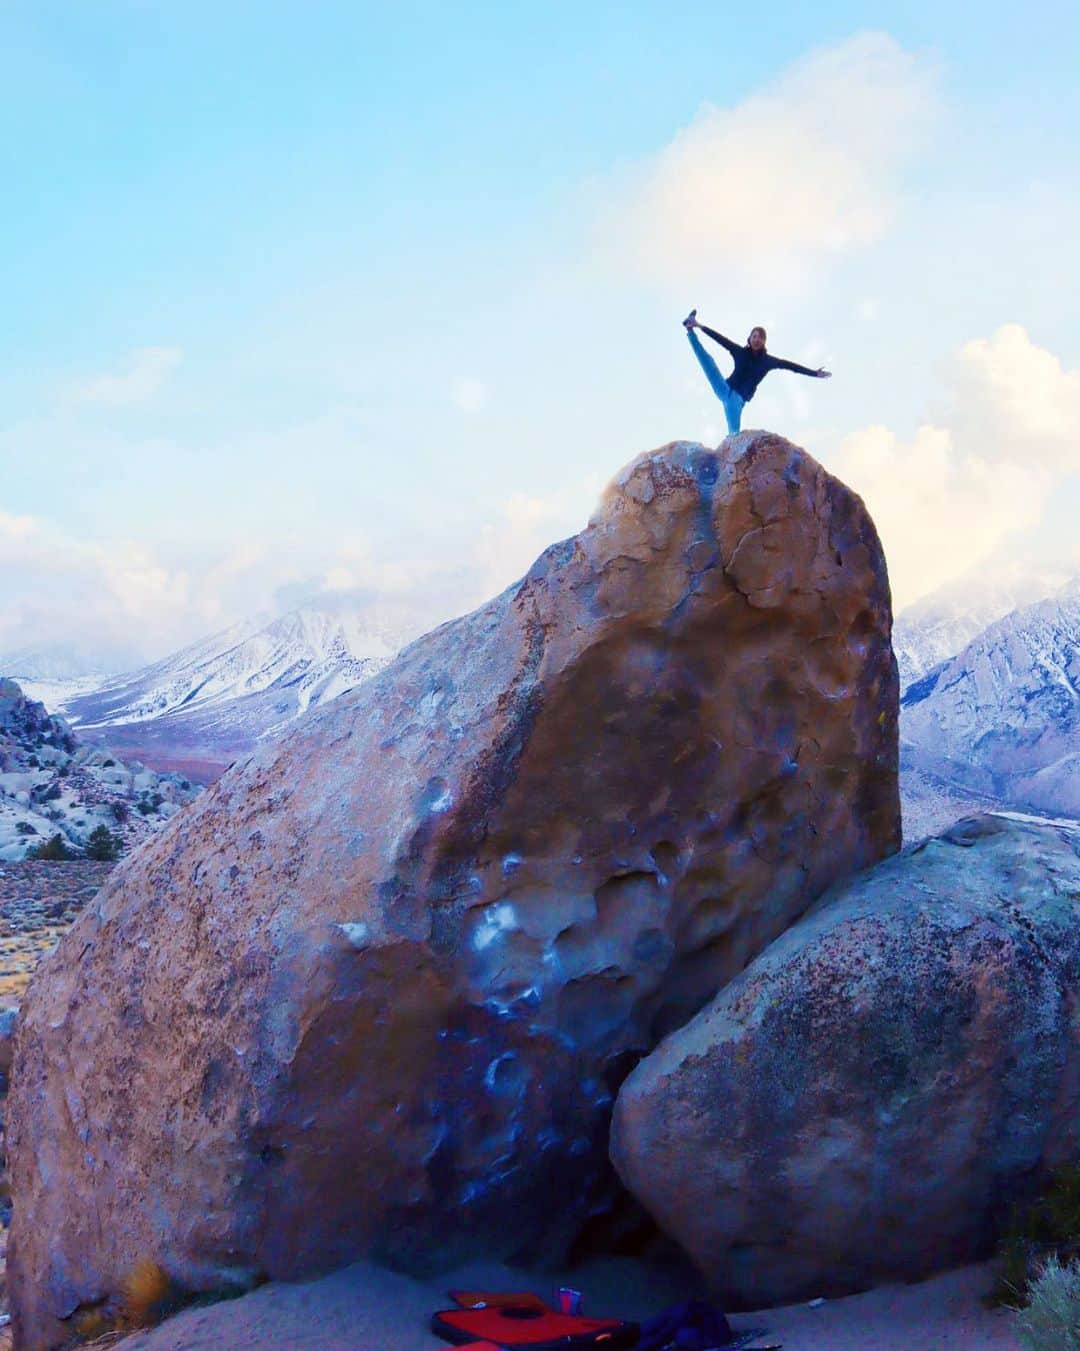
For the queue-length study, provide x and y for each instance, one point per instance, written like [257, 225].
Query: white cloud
[126, 595]
[17, 527]
[804, 169]
[470, 395]
[141, 585]
[146, 372]
[61, 590]
[1017, 400]
[940, 510]
[505, 549]
[984, 469]
[957, 495]
[120, 595]
[340, 578]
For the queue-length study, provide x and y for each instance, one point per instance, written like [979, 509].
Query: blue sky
[372, 299]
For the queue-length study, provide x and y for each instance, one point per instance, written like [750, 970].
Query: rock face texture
[865, 1101]
[372, 993]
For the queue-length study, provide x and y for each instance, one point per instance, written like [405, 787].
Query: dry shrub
[147, 1294]
[1051, 1320]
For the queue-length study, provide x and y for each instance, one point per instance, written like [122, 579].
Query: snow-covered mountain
[1002, 717]
[64, 661]
[940, 625]
[53, 673]
[215, 699]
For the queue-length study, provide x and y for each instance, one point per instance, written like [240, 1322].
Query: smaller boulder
[868, 1098]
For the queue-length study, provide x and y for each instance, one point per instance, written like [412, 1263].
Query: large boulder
[866, 1101]
[372, 994]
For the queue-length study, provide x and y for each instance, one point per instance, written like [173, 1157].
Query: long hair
[758, 329]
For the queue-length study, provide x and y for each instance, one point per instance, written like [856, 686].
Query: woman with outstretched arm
[752, 365]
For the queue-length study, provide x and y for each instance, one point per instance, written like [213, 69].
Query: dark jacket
[752, 367]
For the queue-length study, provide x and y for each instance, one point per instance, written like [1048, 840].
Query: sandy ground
[39, 901]
[367, 1309]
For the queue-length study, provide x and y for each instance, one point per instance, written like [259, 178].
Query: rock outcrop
[26, 727]
[867, 1099]
[372, 993]
[50, 785]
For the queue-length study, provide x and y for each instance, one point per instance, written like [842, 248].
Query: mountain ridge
[218, 697]
[1003, 715]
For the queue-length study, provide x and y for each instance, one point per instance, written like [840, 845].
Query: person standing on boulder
[752, 365]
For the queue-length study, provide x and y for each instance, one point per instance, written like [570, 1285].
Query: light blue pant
[733, 403]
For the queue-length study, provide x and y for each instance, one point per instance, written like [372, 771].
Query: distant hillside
[211, 702]
[1003, 716]
[942, 624]
[60, 661]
